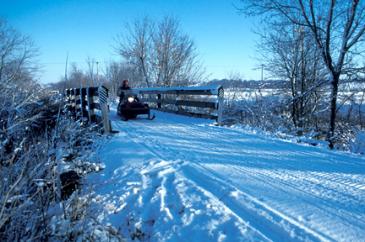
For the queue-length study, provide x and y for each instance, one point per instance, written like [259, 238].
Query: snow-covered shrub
[26, 158]
[358, 145]
[256, 110]
[34, 137]
[34, 141]
[271, 111]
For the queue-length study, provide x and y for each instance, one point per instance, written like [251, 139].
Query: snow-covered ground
[183, 179]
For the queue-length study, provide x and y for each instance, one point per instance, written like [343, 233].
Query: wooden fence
[205, 102]
[90, 104]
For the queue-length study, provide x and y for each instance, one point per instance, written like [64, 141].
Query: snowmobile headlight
[130, 99]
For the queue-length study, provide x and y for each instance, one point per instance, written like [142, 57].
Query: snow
[178, 178]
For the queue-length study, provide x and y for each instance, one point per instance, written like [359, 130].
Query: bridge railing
[203, 101]
[90, 104]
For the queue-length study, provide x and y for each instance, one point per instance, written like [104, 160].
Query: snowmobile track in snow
[180, 176]
[221, 191]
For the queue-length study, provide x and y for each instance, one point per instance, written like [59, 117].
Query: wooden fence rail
[90, 104]
[205, 102]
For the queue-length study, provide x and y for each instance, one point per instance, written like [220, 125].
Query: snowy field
[183, 179]
[247, 94]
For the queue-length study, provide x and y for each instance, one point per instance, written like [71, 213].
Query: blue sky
[87, 28]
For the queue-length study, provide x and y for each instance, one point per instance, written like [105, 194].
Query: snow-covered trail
[179, 178]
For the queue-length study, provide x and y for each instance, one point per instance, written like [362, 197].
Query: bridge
[179, 178]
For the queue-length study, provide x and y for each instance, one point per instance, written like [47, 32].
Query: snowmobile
[130, 107]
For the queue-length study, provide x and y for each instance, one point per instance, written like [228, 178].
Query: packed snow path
[183, 179]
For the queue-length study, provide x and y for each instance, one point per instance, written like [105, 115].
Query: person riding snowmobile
[122, 89]
[129, 105]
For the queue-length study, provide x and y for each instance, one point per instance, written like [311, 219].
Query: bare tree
[135, 46]
[16, 53]
[90, 73]
[174, 55]
[76, 77]
[338, 27]
[112, 72]
[290, 54]
[116, 72]
[161, 52]
[17, 85]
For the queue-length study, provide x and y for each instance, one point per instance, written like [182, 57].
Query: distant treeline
[252, 84]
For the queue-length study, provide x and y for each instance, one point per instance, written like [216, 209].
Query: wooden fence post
[73, 102]
[90, 109]
[77, 102]
[103, 96]
[80, 99]
[83, 102]
[68, 100]
[159, 101]
[220, 105]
